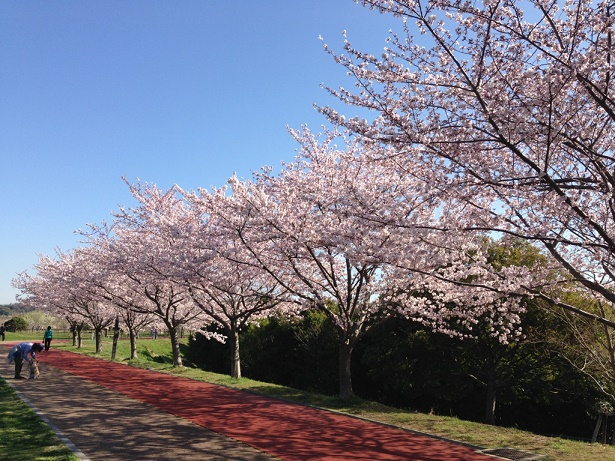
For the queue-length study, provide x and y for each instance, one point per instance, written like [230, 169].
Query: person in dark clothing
[47, 337]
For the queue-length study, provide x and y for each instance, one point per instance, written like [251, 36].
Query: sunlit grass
[36, 335]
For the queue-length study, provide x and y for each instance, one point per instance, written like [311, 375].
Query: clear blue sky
[169, 92]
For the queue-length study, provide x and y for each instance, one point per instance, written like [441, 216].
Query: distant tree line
[9, 310]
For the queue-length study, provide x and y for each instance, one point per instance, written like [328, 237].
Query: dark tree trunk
[490, 402]
[345, 349]
[98, 336]
[116, 336]
[79, 330]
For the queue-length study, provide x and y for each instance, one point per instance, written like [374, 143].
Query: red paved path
[289, 431]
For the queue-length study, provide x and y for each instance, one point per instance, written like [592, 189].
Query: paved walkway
[111, 411]
[105, 425]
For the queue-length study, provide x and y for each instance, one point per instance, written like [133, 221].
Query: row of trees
[8, 310]
[492, 125]
[308, 238]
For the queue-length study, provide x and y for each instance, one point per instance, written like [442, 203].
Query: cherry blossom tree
[112, 287]
[229, 292]
[323, 229]
[204, 265]
[66, 284]
[115, 290]
[39, 292]
[144, 259]
[508, 106]
[233, 295]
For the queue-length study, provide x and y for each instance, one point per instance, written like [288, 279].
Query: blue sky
[167, 92]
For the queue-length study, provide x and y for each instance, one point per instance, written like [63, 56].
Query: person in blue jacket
[20, 352]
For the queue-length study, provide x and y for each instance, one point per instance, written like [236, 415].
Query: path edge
[65, 440]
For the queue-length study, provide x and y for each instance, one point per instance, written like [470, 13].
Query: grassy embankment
[156, 354]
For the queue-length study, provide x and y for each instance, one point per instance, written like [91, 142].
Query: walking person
[3, 331]
[20, 352]
[47, 337]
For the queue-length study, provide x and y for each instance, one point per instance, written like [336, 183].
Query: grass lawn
[156, 354]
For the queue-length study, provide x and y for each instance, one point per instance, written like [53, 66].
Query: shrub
[16, 324]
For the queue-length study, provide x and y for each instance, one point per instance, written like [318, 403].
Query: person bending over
[20, 352]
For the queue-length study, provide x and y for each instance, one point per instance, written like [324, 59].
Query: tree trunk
[133, 343]
[79, 329]
[98, 336]
[490, 401]
[235, 359]
[116, 336]
[345, 348]
[177, 358]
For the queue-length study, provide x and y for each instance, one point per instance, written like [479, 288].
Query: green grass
[24, 435]
[35, 336]
[156, 354]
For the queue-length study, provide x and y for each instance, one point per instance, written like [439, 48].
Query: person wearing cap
[20, 352]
